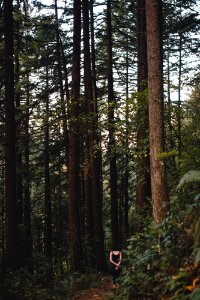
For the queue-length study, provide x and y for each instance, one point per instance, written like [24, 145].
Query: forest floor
[103, 292]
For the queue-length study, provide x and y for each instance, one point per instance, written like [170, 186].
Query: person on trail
[115, 260]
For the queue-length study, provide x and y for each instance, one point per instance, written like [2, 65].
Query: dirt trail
[100, 293]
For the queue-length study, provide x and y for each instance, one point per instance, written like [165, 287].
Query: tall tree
[156, 108]
[94, 170]
[74, 184]
[19, 182]
[12, 239]
[60, 58]
[47, 204]
[64, 99]
[143, 176]
[111, 132]
[27, 204]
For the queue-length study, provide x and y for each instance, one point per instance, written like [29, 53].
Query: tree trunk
[143, 175]
[111, 133]
[48, 213]
[2, 226]
[126, 159]
[61, 87]
[179, 95]
[19, 171]
[93, 56]
[94, 169]
[74, 184]
[156, 108]
[27, 205]
[12, 238]
[169, 104]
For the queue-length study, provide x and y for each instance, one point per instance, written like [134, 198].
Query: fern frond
[190, 176]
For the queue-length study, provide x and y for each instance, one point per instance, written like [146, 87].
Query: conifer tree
[156, 108]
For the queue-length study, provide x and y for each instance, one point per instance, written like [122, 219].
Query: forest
[100, 139]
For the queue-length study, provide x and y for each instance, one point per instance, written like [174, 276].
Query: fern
[190, 176]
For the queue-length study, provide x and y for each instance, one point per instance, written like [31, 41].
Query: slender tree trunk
[64, 99]
[171, 141]
[2, 226]
[179, 95]
[59, 221]
[111, 133]
[126, 172]
[67, 93]
[48, 213]
[74, 184]
[143, 175]
[156, 108]
[12, 238]
[88, 130]
[61, 87]
[27, 205]
[19, 182]
[62, 66]
[93, 56]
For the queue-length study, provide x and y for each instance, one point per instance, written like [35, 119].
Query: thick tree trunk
[12, 238]
[94, 170]
[74, 184]
[156, 107]
[111, 133]
[143, 174]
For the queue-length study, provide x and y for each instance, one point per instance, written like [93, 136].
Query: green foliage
[190, 176]
[164, 260]
[142, 265]
[28, 283]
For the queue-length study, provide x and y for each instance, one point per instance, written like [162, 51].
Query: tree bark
[19, 129]
[94, 174]
[126, 158]
[48, 213]
[2, 226]
[111, 133]
[27, 205]
[74, 184]
[143, 174]
[12, 238]
[156, 108]
[61, 87]
[179, 95]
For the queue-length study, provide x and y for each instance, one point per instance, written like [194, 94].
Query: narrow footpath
[101, 293]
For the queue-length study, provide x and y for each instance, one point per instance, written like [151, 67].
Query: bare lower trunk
[156, 107]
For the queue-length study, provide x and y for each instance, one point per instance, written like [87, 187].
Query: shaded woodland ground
[103, 292]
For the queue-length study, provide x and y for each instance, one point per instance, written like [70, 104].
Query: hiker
[115, 260]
